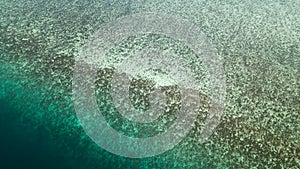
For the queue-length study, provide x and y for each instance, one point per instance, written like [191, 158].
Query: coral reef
[260, 44]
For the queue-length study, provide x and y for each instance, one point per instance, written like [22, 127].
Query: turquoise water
[259, 42]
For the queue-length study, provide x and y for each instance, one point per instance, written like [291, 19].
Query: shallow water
[257, 41]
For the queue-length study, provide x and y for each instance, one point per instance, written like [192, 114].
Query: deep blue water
[21, 148]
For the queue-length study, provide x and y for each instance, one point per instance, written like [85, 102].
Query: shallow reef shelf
[258, 40]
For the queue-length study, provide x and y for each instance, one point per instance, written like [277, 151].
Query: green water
[22, 148]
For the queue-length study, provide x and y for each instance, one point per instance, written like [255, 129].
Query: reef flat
[259, 42]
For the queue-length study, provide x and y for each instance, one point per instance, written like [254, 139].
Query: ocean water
[252, 47]
[19, 150]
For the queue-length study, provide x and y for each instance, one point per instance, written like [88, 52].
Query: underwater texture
[258, 41]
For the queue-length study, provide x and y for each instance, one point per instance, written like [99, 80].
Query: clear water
[259, 42]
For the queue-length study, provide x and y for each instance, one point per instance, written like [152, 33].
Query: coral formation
[260, 44]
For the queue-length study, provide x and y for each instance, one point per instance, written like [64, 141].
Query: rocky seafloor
[258, 40]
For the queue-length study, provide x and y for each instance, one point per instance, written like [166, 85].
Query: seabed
[259, 42]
